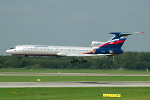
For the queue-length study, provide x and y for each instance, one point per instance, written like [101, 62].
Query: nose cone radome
[9, 51]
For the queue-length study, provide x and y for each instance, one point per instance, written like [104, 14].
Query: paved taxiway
[68, 74]
[75, 84]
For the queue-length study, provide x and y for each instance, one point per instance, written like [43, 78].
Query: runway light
[111, 95]
[38, 80]
[13, 92]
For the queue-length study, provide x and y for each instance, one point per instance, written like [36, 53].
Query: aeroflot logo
[41, 46]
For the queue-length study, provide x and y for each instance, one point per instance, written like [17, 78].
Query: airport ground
[102, 81]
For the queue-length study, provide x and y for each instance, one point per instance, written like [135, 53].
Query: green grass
[72, 71]
[72, 78]
[75, 93]
[90, 93]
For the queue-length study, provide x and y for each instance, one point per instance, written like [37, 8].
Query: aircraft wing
[62, 54]
[87, 55]
[82, 55]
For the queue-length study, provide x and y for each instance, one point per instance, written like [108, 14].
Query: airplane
[97, 49]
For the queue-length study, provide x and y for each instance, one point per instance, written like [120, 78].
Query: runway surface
[69, 74]
[75, 84]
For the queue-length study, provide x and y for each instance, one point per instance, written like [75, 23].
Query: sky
[73, 22]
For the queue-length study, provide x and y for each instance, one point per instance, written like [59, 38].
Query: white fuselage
[45, 50]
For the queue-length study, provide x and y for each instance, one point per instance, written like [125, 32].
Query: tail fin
[114, 44]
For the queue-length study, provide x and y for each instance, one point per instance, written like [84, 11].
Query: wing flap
[87, 55]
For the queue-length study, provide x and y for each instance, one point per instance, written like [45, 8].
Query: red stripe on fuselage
[88, 52]
[108, 44]
[121, 41]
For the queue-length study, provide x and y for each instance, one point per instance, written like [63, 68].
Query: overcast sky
[73, 22]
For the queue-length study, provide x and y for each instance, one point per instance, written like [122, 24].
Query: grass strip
[72, 78]
[72, 71]
[85, 93]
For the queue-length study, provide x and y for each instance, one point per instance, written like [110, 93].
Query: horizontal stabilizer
[118, 35]
[125, 33]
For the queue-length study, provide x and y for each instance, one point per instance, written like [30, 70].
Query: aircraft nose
[9, 51]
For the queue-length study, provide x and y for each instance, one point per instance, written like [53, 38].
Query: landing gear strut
[78, 61]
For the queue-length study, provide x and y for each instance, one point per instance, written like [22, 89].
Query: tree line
[127, 60]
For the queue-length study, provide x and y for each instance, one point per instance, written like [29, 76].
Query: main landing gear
[78, 61]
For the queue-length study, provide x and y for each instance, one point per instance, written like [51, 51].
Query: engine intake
[97, 43]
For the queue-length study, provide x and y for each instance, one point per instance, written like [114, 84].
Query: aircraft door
[24, 49]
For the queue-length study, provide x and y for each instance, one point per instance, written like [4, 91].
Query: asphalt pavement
[75, 84]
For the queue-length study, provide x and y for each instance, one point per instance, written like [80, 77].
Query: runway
[75, 84]
[68, 74]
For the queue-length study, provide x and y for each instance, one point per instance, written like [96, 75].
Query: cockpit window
[13, 48]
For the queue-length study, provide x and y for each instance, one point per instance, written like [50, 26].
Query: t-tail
[113, 46]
